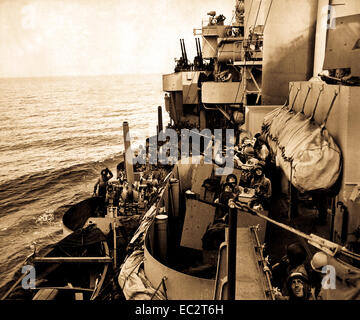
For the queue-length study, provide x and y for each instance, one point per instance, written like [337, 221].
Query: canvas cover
[132, 278]
[305, 151]
[133, 281]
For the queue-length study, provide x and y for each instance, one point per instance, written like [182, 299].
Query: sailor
[247, 152]
[102, 182]
[111, 196]
[295, 256]
[228, 190]
[253, 162]
[233, 180]
[120, 171]
[245, 156]
[101, 186]
[261, 184]
[129, 194]
[212, 19]
[245, 176]
[227, 194]
[260, 148]
[220, 19]
[150, 190]
[298, 285]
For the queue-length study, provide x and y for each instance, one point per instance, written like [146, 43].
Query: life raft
[305, 150]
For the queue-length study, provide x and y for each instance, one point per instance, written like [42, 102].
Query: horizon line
[80, 75]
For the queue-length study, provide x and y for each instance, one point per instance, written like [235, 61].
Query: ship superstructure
[269, 56]
[225, 75]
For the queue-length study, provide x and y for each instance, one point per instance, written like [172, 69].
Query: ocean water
[56, 135]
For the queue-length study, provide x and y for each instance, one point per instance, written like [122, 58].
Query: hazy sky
[82, 37]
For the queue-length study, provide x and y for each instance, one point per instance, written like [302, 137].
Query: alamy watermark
[329, 278]
[165, 148]
[28, 282]
[328, 13]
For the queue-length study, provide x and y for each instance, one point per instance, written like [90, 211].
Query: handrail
[324, 245]
[266, 269]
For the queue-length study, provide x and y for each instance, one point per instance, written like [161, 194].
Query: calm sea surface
[56, 135]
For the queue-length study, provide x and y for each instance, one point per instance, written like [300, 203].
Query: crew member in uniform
[262, 186]
[100, 186]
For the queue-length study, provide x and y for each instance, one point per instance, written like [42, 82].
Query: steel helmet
[249, 151]
[298, 272]
[298, 275]
[296, 254]
[258, 166]
[253, 162]
[231, 176]
[318, 261]
[294, 288]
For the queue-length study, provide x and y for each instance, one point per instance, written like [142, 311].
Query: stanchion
[232, 253]
[160, 122]
[128, 154]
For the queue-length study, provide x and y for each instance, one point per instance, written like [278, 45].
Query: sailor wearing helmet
[246, 166]
[226, 194]
[233, 180]
[260, 183]
[298, 285]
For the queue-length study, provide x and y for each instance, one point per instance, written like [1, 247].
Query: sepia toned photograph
[155, 150]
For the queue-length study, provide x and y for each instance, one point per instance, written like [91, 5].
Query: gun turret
[182, 63]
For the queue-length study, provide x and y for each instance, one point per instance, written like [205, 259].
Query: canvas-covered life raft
[304, 150]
